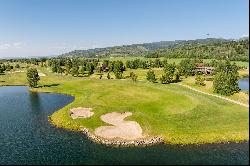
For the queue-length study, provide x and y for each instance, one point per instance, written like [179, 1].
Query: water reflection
[35, 101]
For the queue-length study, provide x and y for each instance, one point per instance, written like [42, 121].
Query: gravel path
[221, 97]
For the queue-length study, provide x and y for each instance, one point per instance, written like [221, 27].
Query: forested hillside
[201, 48]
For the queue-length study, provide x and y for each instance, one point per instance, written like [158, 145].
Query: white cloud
[245, 35]
[15, 45]
[5, 46]
[18, 45]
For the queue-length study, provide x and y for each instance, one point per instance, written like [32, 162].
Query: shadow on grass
[48, 85]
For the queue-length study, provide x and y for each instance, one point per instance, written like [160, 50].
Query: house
[201, 68]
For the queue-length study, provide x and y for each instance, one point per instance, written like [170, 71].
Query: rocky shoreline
[123, 143]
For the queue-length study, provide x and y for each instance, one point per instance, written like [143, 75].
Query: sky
[30, 28]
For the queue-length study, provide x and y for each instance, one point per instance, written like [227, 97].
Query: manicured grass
[244, 72]
[242, 97]
[179, 115]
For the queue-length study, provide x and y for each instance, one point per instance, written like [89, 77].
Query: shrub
[151, 76]
[200, 80]
[133, 76]
[108, 76]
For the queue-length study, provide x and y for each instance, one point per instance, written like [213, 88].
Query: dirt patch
[127, 130]
[81, 113]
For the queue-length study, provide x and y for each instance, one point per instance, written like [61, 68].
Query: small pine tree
[17, 66]
[90, 68]
[176, 75]
[74, 71]
[151, 76]
[133, 76]
[59, 69]
[108, 76]
[118, 69]
[1, 70]
[166, 78]
[200, 80]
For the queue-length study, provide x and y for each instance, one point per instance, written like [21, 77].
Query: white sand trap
[81, 112]
[41, 74]
[19, 71]
[128, 130]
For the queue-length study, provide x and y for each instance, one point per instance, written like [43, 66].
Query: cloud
[15, 45]
[245, 35]
[18, 45]
[5, 46]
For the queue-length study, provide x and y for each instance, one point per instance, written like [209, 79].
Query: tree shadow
[176, 81]
[48, 85]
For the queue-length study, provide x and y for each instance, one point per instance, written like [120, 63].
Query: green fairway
[179, 115]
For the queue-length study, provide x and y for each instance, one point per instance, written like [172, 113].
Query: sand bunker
[41, 74]
[81, 112]
[127, 130]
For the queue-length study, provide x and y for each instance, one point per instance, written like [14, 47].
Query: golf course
[177, 114]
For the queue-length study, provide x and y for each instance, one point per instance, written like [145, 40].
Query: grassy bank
[179, 115]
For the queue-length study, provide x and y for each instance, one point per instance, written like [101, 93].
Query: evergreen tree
[68, 66]
[108, 76]
[90, 68]
[1, 70]
[200, 80]
[32, 77]
[118, 69]
[166, 78]
[75, 71]
[17, 66]
[151, 76]
[186, 67]
[59, 69]
[133, 76]
[226, 78]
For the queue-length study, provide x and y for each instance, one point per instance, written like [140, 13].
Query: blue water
[244, 84]
[26, 137]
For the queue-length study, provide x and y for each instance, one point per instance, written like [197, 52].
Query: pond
[244, 84]
[28, 138]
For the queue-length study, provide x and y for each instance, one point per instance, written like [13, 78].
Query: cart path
[221, 97]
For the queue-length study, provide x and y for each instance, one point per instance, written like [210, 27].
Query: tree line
[86, 67]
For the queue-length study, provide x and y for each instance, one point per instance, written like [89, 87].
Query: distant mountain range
[138, 49]
[203, 48]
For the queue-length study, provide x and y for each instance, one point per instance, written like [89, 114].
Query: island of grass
[176, 114]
